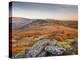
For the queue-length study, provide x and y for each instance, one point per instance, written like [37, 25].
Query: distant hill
[23, 24]
[18, 22]
[40, 22]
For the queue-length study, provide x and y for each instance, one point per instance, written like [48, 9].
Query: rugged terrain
[29, 37]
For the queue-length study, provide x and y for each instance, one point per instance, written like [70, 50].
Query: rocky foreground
[46, 47]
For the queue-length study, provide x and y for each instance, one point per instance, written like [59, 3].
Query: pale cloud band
[44, 11]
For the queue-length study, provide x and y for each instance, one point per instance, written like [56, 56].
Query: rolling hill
[25, 32]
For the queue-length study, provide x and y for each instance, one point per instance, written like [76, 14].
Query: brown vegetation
[24, 40]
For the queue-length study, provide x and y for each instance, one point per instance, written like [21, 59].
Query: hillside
[29, 31]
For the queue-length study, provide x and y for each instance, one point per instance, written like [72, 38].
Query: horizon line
[44, 18]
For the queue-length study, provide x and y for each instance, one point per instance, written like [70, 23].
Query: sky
[44, 11]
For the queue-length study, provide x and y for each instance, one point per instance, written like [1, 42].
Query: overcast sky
[44, 11]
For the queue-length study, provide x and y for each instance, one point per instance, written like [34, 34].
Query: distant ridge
[19, 23]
